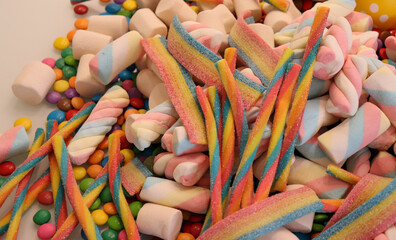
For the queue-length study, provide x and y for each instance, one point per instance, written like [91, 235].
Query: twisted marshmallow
[98, 124]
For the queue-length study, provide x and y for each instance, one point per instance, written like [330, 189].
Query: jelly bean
[42, 216]
[64, 104]
[72, 82]
[61, 43]
[110, 208]
[129, 112]
[380, 44]
[94, 170]
[119, 1]
[99, 217]
[127, 84]
[77, 102]
[69, 71]
[58, 74]
[126, 13]
[115, 223]
[134, 93]
[196, 218]
[115, 127]
[81, 23]
[104, 161]
[142, 111]
[2, 180]
[49, 61]
[61, 85]
[105, 195]
[104, 143]
[130, 5]
[45, 198]
[62, 124]
[95, 204]
[382, 53]
[60, 63]
[195, 8]
[384, 35]
[6, 168]
[157, 151]
[316, 227]
[122, 235]
[113, 8]
[196, 229]
[71, 113]
[186, 215]
[53, 97]
[120, 120]
[67, 52]
[25, 122]
[105, 0]
[46, 231]
[124, 75]
[185, 236]
[109, 234]
[96, 156]
[128, 154]
[135, 207]
[321, 218]
[187, 227]
[124, 144]
[126, 193]
[134, 75]
[56, 115]
[70, 35]
[136, 102]
[80, 9]
[146, 104]
[393, 32]
[71, 93]
[96, 98]
[71, 61]
[85, 183]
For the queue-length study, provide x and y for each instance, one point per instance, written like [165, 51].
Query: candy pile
[212, 119]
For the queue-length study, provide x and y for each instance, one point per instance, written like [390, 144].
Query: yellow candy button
[61, 43]
[25, 122]
[100, 217]
[61, 86]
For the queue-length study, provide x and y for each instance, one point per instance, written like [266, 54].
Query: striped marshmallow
[384, 164]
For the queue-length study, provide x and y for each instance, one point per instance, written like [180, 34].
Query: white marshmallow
[160, 221]
[253, 6]
[391, 232]
[33, 82]
[158, 95]
[265, 32]
[166, 9]
[152, 4]
[304, 223]
[146, 80]
[226, 16]
[277, 20]
[147, 23]
[208, 5]
[85, 42]
[142, 62]
[279, 234]
[86, 85]
[112, 25]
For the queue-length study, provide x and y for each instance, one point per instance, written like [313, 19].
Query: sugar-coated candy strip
[331, 205]
[31, 161]
[215, 104]
[73, 191]
[254, 51]
[13, 142]
[179, 86]
[256, 134]
[265, 216]
[211, 1]
[133, 175]
[368, 220]
[116, 188]
[98, 124]
[214, 156]
[300, 98]
[22, 189]
[282, 5]
[58, 192]
[342, 174]
[89, 197]
[275, 143]
[37, 187]
[199, 60]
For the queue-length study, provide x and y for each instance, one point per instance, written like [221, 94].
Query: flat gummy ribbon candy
[265, 216]
[300, 98]
[199, 60]
[368, 210]
[133, 175]
[179, 86]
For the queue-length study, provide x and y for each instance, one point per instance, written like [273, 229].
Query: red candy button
[136, 102]
[45, 198]
[81, 9]
[71, 113]
[6, 168]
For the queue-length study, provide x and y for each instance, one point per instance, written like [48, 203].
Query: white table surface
[27, 31]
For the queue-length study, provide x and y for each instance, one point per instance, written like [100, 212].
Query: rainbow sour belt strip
[282, 5]
[199, 60]
[22, 189]
[179, 86]
[300, 98]
[133, 175]
[342, 174]
[265, 216]
[116, 189]
[369, 219]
